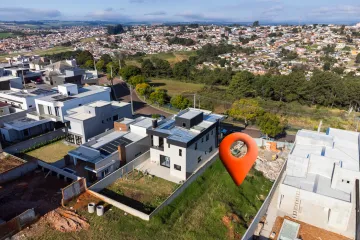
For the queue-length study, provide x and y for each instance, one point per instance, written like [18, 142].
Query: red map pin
[238, 168]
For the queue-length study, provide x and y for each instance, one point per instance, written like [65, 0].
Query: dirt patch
[228, 222]
[66, 221]
[32, 190]
[83, 200]
[307, 231]
[8, 162]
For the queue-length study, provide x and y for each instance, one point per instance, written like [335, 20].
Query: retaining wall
[57, 170]
[73, 190]
[264, 207]
[16, 224]
[17, 148]
[103, 183]
[18, 171]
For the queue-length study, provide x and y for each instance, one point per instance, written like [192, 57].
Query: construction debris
[269, 165]
[66, 221]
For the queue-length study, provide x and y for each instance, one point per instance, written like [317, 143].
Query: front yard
[52, 152]
[144, 193]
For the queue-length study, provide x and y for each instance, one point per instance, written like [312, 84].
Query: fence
[264, 207]
[118, 174]
[191, 179]
[103, 183]
[263, 142]
[16, 224]
[73, 190]
[18, 171]
[17, 148]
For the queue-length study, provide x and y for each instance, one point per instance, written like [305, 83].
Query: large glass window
[165, 161]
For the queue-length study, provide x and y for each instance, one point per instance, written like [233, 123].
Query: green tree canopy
[89, 64]
[100, 66]
[241, 84]
[135, 80]
[148, 68]
[159, 96]
[246, 110]
[143, 89]
[180, 102]
[270, 124]
[128, 71]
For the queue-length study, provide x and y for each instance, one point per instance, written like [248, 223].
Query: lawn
[212, 207]
[5, 34]
[40, 52]
[172, 57]
[142, 192]
[176, 87]
[52, 152]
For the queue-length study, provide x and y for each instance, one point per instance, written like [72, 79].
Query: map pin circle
[238, 168]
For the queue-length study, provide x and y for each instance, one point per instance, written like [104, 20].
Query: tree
[128, 71]
[143, 89]
[245, 109]
[162, 67]
[89, 64]
[135, 80]
[182, 69]
[256, 24]
[159, 96]
[106, 58]
[180, 102]
[117, 29]
[270, 124]
[241, 84]
[112, 68]
[357, 58]
[327, 66]
[148, 68]
[83, 57]
[100, 66]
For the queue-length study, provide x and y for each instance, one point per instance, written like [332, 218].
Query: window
[207, 137]
[177, 167]
[180, 152]
[30, 106]
[202, 140]
[80, 104]
[26, 132]
[195, 146]
[152, 140]
[210, 149]
[115, 118]
[184, 124]
[103, 121]
[57, 111]
[49, 110]
[347, 181]
[168, 145]
[105, 172]
[199, 159]
[212, 132]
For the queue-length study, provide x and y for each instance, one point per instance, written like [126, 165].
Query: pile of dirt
[66, 221]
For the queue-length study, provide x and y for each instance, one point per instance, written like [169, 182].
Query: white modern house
[318, 186]
[94, 118]
[182, 144]
[69, 96]
[106, 152]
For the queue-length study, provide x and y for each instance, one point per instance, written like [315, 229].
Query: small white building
[319, 182]
[69, 96]
[23, 98]
[182, 144]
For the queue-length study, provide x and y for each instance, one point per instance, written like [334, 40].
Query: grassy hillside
[212, 207]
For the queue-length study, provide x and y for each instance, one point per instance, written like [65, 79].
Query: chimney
[154, 123]
[122, 154]
[120, 126]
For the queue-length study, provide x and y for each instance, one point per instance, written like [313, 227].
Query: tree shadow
[157, 84]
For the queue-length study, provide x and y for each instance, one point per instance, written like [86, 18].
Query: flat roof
[190, 114]
[24, 93]
[7, 78]
[98, 104]
[24, 123]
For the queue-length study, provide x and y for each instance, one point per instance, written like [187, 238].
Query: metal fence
[73, 190]
[16, 224]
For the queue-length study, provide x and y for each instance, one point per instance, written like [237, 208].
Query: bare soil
[32, 190]
[66, 221]
[9, 162]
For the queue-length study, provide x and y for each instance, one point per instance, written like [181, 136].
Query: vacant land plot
[172, 57]
[40, 52]
[144, 193]
[5, 34]
[32, 190]
[212, 207]
[8, 162]
[176, 87]
[52, 152]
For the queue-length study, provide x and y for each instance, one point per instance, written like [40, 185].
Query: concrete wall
[136, 149]
[17, 172]
[103, 183]
[16, 148]
[57, 170]
[264, 207]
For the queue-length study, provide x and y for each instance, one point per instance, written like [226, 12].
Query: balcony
[36, 116]
[161, 148]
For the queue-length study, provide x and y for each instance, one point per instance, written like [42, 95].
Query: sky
[158, 11]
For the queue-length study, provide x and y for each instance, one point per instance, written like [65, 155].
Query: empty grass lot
[176, 87]
[5, 34]
[212, 207]
[142, 192]
[51, 152]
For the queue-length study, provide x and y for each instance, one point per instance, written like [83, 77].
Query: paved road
[143, 109]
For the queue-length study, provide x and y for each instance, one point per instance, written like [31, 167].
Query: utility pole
[194, 100]
[23, 79]
[131, 100]
[319, 127]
